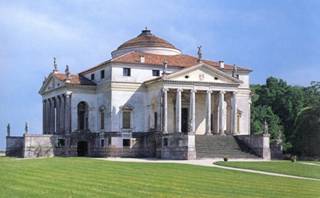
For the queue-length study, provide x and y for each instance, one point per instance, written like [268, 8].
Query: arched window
[83, 116]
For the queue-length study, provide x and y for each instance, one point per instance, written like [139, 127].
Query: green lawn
[284, 167]
[85, 177]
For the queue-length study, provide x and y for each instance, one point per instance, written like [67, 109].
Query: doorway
[184, 120]
[82, 148]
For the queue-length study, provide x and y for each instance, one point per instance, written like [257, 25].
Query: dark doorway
[184, 120]
[82, 148]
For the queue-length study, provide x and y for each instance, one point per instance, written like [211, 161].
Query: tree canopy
[280, 105]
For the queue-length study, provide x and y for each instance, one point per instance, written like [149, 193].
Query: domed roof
[146, 39]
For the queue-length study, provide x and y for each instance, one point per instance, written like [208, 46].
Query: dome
[148, 43]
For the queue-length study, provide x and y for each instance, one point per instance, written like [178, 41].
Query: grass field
[283, 167]
[85, 177]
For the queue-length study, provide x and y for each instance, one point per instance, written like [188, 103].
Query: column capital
[165, 89]
[222, 92]
[209, 91]
[179, 90]
[235, 92]
[193, 90]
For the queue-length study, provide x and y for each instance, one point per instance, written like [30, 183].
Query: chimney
[221, 64]
[142, 59]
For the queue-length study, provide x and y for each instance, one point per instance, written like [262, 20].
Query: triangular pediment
[51, 83]
[202, 73]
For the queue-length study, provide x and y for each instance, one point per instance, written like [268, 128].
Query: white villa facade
[148, 100]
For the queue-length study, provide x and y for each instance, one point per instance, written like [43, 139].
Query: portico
[199, 111]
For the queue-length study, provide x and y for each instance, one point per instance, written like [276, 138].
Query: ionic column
[165, 110]
[208, 117]
[44, 116]
[68, 113]
[47, 116]
[178, 110]
[57, 115]
[51, 116]
[234, 113]
[192, 111]
[221, 113]
[62, 114]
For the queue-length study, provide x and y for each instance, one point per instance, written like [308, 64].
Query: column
[221, 113]
[208, 117]
[47, 116]
[50, 117]
[178, 110]
[57, 115]
[165, 110]
[62, 114]
[234, 113]
[192, 107]
[68, 113]
[44, 116]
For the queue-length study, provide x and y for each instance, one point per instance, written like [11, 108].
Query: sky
[271, 37]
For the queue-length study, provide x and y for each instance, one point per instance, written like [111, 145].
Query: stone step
[221, 146]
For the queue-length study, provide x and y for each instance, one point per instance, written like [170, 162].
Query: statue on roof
[199, 53]
[55, 66]
[235, 71]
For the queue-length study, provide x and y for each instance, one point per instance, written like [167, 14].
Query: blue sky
[274, 38]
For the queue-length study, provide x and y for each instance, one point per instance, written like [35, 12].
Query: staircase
[216, 146]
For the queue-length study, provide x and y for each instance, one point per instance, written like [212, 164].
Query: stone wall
[260, 144]
[178, 146]
[14, 146]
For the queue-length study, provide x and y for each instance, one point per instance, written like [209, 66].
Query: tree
[265, 113]
[306, 136]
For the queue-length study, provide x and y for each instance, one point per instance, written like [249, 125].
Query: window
[61, 142]
[102, 143]
[165, 141]
[102, 74]
[109, 141]
[92, 76]
[155, 120]
[155, 72]
[126, 119]
[126, 142]
[126, 72]
[101, 119]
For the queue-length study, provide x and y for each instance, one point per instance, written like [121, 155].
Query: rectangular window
[102, 120]
[126, 142]
[92, 76]
[126, 71]
[109, 141]
[102, 74]
[102, 143]
[155, 120]
[61, 142]
[155, 72]
[126, 119]
[165, 141]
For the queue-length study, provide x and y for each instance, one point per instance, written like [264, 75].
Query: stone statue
[67, 72]
[8, 130]
[199, 53]
[235, 71]
[55, 66]
[26, 128]
[165, 67]
[265, 128]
